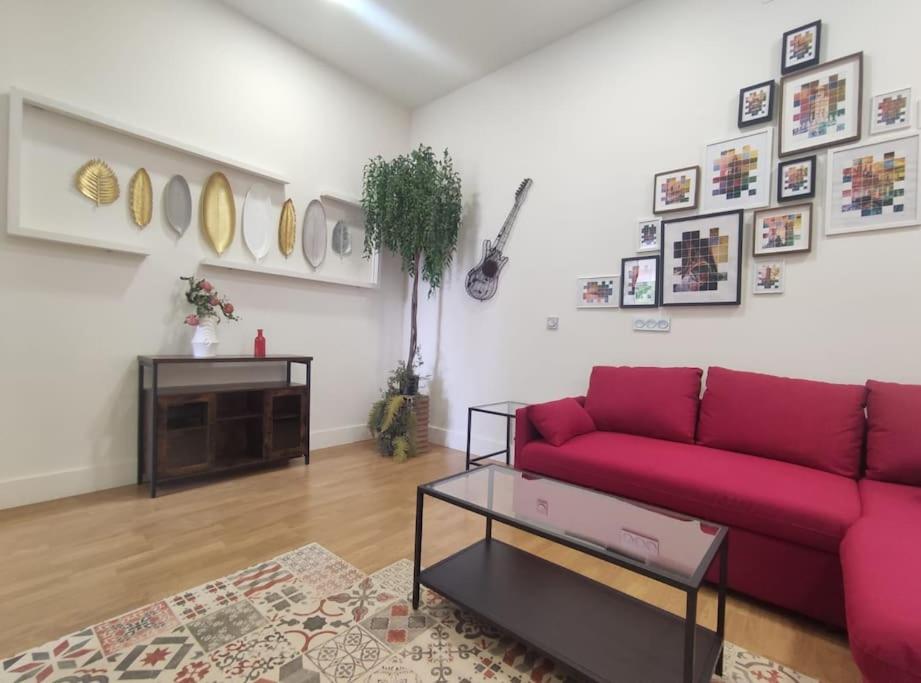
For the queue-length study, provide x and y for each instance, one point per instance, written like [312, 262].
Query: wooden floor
[77, 561]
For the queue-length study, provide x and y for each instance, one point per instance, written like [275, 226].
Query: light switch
[553, 322]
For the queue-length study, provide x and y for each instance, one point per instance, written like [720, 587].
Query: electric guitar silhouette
[483, 279]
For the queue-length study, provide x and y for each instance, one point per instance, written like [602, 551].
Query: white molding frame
[286, 272]
[870, 142]
[20, 99]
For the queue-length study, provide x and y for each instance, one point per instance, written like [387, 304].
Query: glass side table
[504, 409]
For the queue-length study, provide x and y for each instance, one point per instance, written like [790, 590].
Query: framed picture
[800, 47]
[873, 186]
[820, 107]
[702, 260]
[768, 277]
[796, 179]
[647, 234]
[676, 190]
[785, 229]
[756, 104]
[738, 172]
[639, 282]
[598, 291]
[890, 111]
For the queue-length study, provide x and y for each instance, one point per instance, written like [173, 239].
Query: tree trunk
[414, 311]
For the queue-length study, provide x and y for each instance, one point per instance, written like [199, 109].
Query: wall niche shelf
[22, 100]
[293, 274]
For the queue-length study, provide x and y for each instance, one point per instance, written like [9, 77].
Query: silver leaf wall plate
[177, 199]
[314, 233]
[342, 239]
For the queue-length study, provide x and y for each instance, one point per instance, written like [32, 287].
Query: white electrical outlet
[651, 323]
[553, 322]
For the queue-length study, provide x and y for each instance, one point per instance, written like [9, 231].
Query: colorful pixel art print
[820, 107]
[639, 279]
[873, 186]
[784, 229]
[598, 291]
[702, 260]
[676, 190]
[800, 47]
[768, 277]
[647, 234]
[756, 104]
[737, 172]
[796, 179]
[890, 111]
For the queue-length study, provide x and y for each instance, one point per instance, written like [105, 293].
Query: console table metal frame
[509, 416]
[153, 364]
[693, 672]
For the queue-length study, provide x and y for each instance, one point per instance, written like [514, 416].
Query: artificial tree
[412, 207]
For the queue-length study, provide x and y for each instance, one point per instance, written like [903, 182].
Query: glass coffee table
[595, 630]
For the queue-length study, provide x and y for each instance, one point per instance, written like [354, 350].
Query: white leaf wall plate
[177, 199]
[257, 221]
[314, 235]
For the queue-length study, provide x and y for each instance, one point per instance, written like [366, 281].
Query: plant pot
[204, 341]
[411, 385]
[421, 413]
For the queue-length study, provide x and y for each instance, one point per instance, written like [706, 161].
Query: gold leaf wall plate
[287, 228]
[218, 212]
[140, 198]
[98, 182]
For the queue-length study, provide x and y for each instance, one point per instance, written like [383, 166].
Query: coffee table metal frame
[509, 415]
[690, 586]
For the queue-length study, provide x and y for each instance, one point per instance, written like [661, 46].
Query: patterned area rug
[308, 616]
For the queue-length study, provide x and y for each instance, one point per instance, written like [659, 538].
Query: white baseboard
[457, 440]
[72, 482]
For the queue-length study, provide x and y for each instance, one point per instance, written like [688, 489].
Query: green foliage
[391, 419]
[412, 207]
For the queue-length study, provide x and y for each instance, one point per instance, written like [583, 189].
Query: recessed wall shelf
[285, 272]
[21, 100]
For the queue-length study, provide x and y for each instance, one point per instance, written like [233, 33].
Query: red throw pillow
[655, 402]
[894, 432]
[559, 421]
[815, 424]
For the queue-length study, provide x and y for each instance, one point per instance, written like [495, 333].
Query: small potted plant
[209, 307]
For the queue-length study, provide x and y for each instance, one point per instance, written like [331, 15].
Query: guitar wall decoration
[483, 279]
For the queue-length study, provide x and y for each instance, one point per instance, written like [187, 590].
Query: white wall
[591, 119]
[74, 320]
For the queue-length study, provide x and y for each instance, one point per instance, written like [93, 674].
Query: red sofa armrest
[525, 430]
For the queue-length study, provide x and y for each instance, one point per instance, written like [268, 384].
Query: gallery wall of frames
[690, 250]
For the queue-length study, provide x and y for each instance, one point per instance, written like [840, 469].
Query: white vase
[204, 341]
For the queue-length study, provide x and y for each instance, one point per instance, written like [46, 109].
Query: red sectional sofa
[819, 483]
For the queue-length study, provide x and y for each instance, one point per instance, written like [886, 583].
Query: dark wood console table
[187, 432]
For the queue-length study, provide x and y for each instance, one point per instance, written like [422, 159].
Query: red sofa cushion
[655, 402]
[894, 432]
[881, 563]
[890, 501]
[559, 421]
[789, 502]
[815, 424]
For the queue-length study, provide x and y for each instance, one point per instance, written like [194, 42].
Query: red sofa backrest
[816, 424]
[894, 432]
[656, 402]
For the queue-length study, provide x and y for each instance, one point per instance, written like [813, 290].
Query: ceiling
[417, 50]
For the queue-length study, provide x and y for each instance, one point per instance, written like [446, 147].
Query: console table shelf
[207, 430]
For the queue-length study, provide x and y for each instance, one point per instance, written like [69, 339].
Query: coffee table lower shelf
[598, 632]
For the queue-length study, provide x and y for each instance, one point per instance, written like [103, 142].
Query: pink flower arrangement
[207, 301]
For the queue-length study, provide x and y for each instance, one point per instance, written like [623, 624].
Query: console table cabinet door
[184, 434]
[286, 422]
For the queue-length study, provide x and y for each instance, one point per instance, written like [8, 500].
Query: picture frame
[782, 230]
[873, 185]
[640, 282]
[648, 231]
[598, 291]
[676, 190]
[756, 104]
[738, 172]
[702, 260]
[769, 277]
[800, 47]
[821, 107]
[796, 179]
[890, 111]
